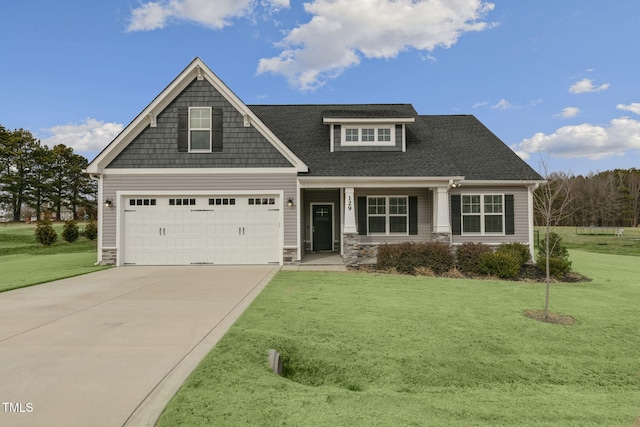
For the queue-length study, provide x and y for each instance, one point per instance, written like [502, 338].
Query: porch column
[349, 230]
[441, 211]
[349, 212]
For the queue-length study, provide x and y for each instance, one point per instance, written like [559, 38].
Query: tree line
[35, 176]
[605, 199]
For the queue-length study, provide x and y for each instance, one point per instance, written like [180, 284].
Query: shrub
[45, 234]
[70, 231]
[556, 248]
[559, 263]
[468, 256]
[408, 257]
[439, 257]
[558, 267]
[91, 230]
[520, 250]
[504, 265]
[403, 257]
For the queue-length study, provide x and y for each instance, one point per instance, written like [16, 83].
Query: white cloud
[569, 112]
[585, 141]
[586, 85]
[634, 107]
[341, 32]
[212, 14]
[503, 104]
[89, 136]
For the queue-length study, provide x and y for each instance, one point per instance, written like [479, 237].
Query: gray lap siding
[185, 183]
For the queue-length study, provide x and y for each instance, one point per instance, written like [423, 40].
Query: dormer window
[367, 135]
[369, 129]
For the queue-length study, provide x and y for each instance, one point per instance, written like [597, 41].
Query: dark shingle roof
[437, 146]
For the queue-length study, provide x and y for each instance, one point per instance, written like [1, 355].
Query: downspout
[532, 249]
[96, 177]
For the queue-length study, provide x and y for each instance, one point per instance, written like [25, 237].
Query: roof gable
[196, 71]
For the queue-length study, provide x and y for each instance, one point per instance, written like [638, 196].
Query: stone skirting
[289, 255]
[109, 256]
[441, 237]
[350, 249]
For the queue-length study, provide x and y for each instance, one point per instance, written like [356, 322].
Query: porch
[345, 225]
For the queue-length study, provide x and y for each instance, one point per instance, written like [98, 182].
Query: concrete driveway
[111, 348]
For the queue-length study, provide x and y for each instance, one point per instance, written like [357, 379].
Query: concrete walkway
[111, 348]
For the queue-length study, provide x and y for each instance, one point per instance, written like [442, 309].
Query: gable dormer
[367, 129]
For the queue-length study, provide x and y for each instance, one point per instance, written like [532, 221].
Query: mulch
[558, 319]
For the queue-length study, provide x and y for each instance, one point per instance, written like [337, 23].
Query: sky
[557, 81]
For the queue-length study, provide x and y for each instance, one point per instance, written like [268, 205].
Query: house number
[349, 206]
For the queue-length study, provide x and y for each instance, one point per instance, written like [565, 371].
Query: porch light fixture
[108, 203]
[290, 202]
[456, 184]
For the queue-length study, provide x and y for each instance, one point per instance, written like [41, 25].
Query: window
[483, 213]
[142, 202]
[351, 135]
[200, 129]
[362, 135]
[222, 201]
[182, 202]
[384, 135]
[368, 135]
[262, 201]
[387, 215]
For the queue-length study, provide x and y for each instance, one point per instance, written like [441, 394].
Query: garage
[202, 229]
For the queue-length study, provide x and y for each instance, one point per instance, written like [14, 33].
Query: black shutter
[216, 129]
[413, 215]
[362, 216]
[509, 215]
[183, 129]
[456, 215]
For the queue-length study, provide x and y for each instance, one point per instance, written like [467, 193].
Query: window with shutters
[482, 214]
[200, 129]
[388, 215]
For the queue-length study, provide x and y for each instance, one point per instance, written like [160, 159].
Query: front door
[322, 228]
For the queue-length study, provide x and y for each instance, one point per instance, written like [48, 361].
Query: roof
[436, 146]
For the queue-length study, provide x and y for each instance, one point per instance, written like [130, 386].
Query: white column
[349, 211]
[441, 211]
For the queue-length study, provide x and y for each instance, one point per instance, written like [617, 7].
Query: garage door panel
[231, 230]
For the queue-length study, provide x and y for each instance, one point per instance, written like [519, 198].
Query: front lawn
[390, 350]
[23, 262]
[627, 244]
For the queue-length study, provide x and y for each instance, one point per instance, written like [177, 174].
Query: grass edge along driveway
[22, 270]
[380, 350]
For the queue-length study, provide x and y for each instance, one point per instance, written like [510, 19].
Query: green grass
[23, 262]
[391, 350]
[628, 244]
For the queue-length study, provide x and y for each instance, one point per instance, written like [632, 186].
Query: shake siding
[182, 184]
[521, 214]
[425, 214]
[157, 147]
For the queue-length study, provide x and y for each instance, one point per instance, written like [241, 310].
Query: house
[199, 177]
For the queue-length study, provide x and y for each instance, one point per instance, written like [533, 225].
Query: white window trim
[482, 215]
[197, 129]
[375, 142]
[387, 215]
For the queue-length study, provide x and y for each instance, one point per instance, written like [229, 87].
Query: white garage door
[202, 230]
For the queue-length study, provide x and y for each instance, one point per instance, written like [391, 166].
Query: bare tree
[551, 205]
[633, 187]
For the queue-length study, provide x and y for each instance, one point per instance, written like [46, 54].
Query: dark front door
[322, 228]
